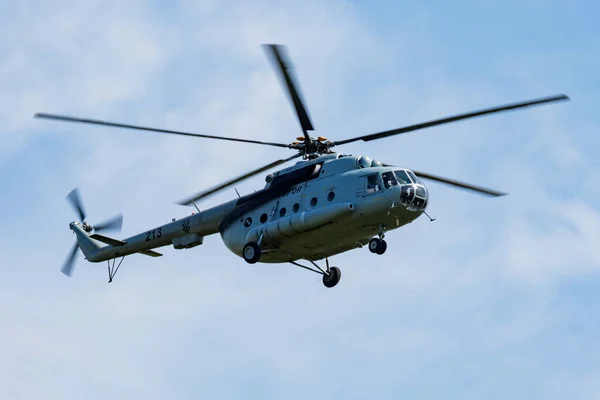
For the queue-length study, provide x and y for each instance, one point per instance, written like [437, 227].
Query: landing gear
[331, 276]
[251, 252]
[112, 271]
[377, 246]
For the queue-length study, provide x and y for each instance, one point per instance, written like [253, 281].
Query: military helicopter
[325, 204]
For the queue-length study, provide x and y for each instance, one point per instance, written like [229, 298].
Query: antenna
[238, 193]
[430, 219]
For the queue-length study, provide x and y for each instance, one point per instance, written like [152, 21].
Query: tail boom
[188, 230]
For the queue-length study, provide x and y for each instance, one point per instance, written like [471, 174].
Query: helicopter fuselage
[312, 210]
[340, 207]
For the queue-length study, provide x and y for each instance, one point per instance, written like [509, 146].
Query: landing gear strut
[112, 271]
[331, 276]
[378, 245]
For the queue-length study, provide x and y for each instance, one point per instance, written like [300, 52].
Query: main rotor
[306, 146]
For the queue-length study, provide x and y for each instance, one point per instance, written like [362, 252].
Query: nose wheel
[251, 252]
[377, 246]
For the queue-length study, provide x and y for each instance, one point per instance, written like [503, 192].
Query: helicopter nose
[414, 196]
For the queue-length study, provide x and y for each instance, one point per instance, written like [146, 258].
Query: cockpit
[413, 193]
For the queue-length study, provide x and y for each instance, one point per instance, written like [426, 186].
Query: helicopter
[325, 204]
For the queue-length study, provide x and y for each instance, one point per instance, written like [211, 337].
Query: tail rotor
[113, 223]
[69, 263]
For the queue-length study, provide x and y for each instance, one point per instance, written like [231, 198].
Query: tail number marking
[153, 234]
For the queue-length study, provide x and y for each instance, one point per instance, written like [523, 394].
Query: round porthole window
[330, 196]
[247, 222]
[296, 207]
[263, 218]
[282, 212]
[313, 202]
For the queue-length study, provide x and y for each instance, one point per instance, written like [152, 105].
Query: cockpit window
[414, 177]
[402, 177]
[373, 183]
[389, 179]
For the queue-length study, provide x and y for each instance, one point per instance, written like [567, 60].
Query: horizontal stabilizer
[107, 240]
[150, 253]
[117, 242]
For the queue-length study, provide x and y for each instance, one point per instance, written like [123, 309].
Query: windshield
[414, 177]
[402, 177]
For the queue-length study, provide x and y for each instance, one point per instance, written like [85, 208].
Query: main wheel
[374, 245]
[251, 252]
[333, 278]
[382, 247]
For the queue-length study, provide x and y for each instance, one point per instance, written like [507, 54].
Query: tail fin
[89, 247]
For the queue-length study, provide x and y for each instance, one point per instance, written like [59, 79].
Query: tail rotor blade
[114, 223]
[67, 267]
[75, 200]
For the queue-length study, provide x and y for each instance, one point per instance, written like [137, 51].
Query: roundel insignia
[247, 222]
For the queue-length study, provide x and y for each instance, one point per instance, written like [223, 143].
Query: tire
[333, 278]
[251, 252]
[382, 247]
[374, 245]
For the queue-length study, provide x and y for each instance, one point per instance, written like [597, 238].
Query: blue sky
[495, 299]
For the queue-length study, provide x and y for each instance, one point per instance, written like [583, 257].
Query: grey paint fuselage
[323, 224]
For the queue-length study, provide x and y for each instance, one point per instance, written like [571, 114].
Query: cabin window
[248, 222]
[263, 218]
[373, 183]
[389, 180]
[330, 196]
[296, 207]
[313, 202]
[282, 212]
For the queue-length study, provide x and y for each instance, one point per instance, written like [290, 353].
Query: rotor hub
[86, 227]
[316, 146]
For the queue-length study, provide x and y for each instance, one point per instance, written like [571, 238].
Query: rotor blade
[203, 194]
[115, 222]
[67, 267]
[75, 200]
[462, 185]
[454, 118]
[143, 128]
[282, 64]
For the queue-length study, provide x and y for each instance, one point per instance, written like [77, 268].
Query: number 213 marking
[153, 234]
